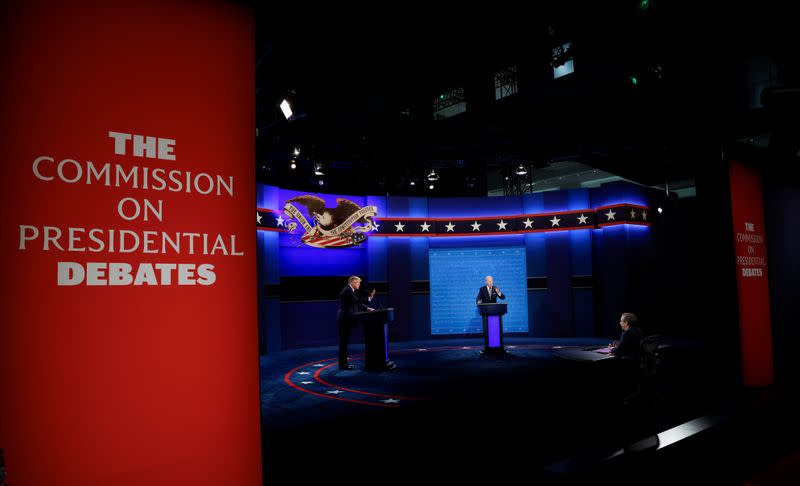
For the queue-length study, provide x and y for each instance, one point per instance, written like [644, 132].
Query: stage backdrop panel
[457, 274]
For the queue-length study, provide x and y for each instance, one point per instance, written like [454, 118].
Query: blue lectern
[492, 315]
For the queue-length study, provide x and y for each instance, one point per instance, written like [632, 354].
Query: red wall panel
[127, 384]
[747, 205]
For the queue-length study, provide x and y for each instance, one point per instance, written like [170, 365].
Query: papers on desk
[603, 350]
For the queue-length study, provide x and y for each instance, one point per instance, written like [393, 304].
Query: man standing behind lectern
[349, 304]
[488, 294]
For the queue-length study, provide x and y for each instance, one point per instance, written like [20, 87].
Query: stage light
[521, 170]
[644, 4]
[430, 187]
[318, 170]
[286, 108]
[433, 176]
[507, 178]
[658, 70]
[321, 182]
[296, 151]
[633, 79]
[660, 210]
[293, 165]
[412, 183]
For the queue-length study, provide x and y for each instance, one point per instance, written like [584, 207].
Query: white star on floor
[279, 220]
[319, 365]
[528, 223]
[334, 392]
[511, 347]
[644, 215]
[582, 219]
[450, 226]
[422, 349]
[425, 226]
[304, 373]
[555, 222]
[610, 215]
[258, 217]
[465, 347]
[501, 225]
[306, 382]
[633, 214]
[476, 226]
[399, 226]
[390, 400]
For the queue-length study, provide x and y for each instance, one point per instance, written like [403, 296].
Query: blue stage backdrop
[456, 274]
[567, 281]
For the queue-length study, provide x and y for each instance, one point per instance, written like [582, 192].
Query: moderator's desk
[582, 355]
[589, 356]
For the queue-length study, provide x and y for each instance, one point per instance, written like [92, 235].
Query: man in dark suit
[627, 350]
[349, 304]
[488, 294]
[630, 340]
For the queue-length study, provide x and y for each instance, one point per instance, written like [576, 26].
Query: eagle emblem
[338, 227]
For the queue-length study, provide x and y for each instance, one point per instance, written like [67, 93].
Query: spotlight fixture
[286, 108]
[433, 176]
[521, 170]
[296, 151]
[660, 210]
[318, 170]
[658, 70]
[430, 187]
[293, 165]
[412, 183]
[321, 182]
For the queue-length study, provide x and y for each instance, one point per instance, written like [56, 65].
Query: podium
[376, 337]
[492, 315]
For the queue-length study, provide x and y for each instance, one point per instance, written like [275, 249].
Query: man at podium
[349, 304]
[492, 316]
[488, 294]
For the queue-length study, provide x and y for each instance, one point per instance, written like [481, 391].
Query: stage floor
[445, 403]
[293, 380]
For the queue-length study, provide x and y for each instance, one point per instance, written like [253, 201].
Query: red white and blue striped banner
[603, 216]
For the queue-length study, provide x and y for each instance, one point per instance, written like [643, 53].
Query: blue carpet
[426, 370]
[445, 403]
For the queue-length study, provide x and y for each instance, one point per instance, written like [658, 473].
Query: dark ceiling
[363, 84]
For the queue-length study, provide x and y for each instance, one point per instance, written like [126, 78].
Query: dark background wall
[782, 207]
